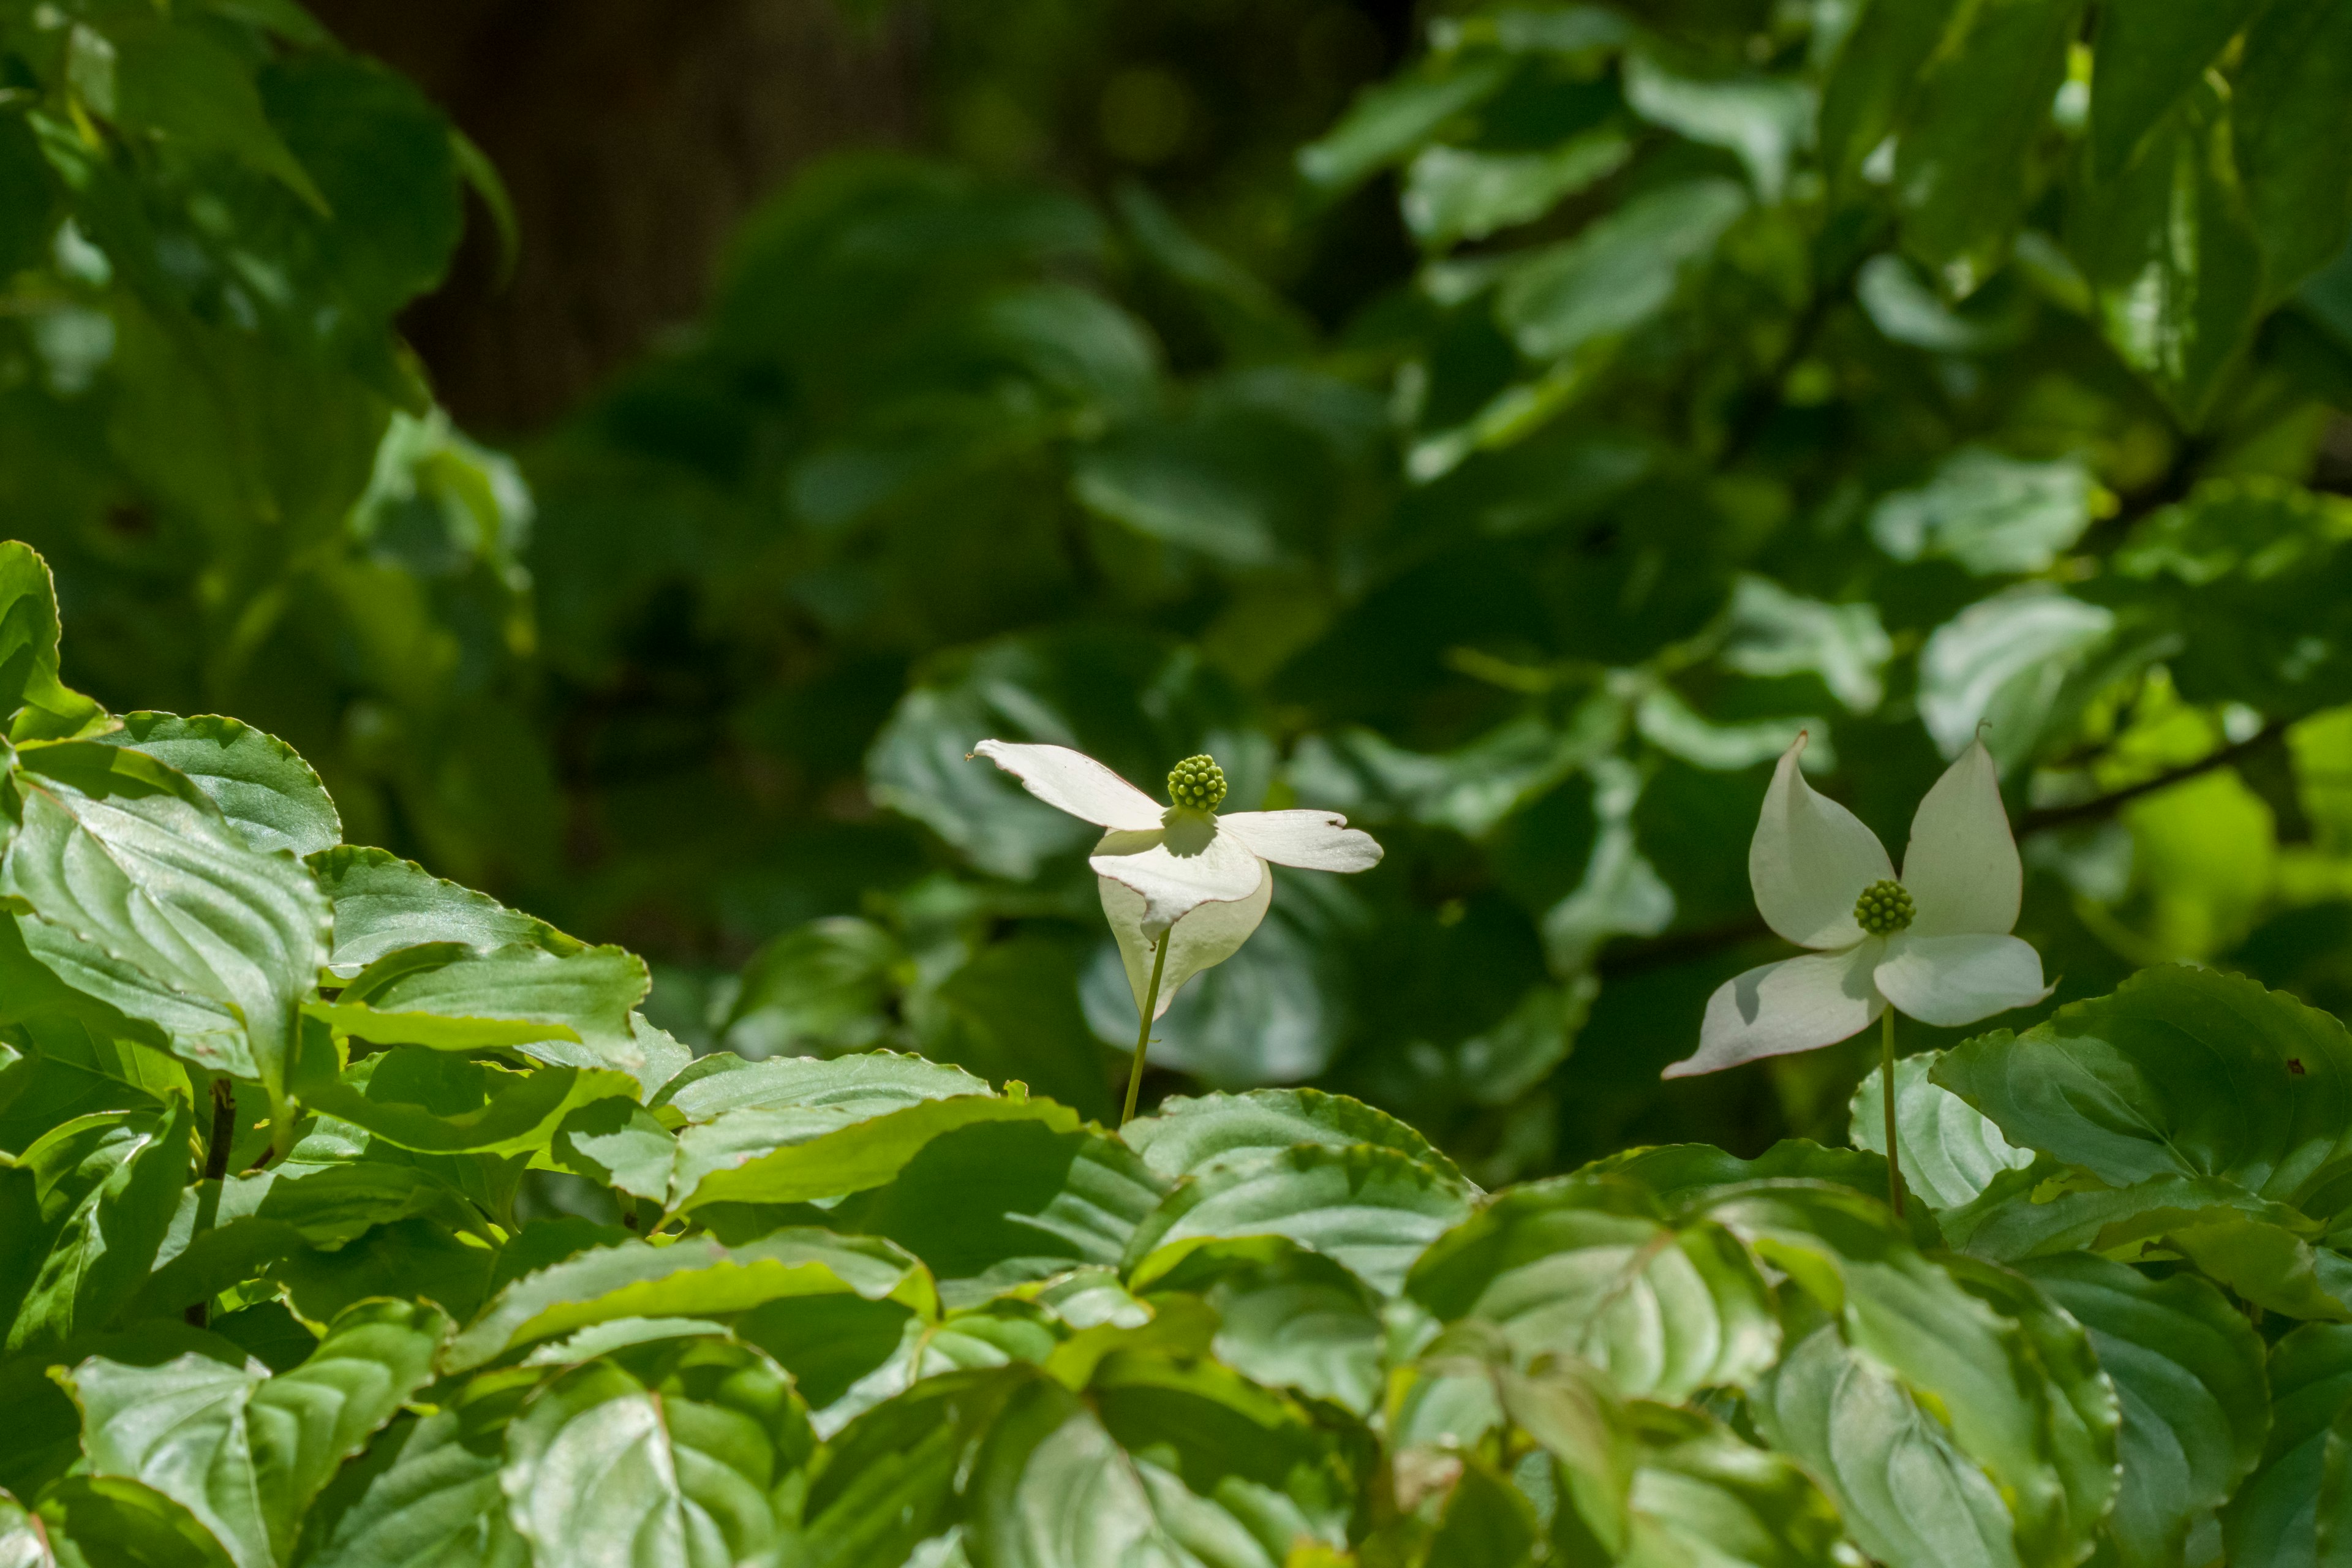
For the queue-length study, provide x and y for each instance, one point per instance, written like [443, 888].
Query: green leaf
[426, 1491]
[1389, 120]
[814, 1343]
[1290, 1318]
[2189, 1370]
[225, 1232]
[1590, 1267]
[2180, 1072]
[24, 1542]
[1909, 1497]
[793, 1155]
[2285, 110]
[1454, 193]
[2016, 666]
[2273, 1517]
[245, 1453]
[383, 903]
[1949, 1154]
[891, 1480]
[144, 896]
[1162, 1460]
[696, 1277]
[106, 1522]
[2148, 59]
[88, 1205]
[818, 989]
[177, 82]
[1765, 122]
[1188, 1133]
[1968, 129]
[453, 998]
[857, 1086]
[1977, 1365]
[1992, 513]
[2174, 259]
[617, 1142]
[1370, 1209]
[603, 1469]
[1876, 78]
[38, 707]
[1700, 1494]
[262, 785]
[504, 1112]
[1487, 1522]
[1620, 273]
[1007, 1202]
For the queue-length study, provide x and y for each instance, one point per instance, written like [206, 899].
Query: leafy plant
[290, 1128]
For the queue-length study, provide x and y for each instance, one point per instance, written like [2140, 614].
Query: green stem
[1144, 1035]
[1886, 1083]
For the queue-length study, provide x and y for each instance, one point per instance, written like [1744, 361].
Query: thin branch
[2107, 805]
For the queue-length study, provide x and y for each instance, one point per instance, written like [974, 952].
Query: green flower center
[1197, 783]
[1883, 909]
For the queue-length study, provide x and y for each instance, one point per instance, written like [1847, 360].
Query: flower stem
[1886, 1083]
[1144, 1035]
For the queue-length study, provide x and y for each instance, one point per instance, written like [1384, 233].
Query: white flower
[1180, 872]
[1935, 945]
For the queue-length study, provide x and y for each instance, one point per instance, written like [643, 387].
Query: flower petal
[1074, 781]
[1796, 1005]
[1216, 867]
[1202, 939]
[1810, 860]
[1316, 840]
[1961, 863]
[1954, 980]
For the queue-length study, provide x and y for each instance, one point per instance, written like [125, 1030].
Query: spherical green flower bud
[1197, 783]
[1883, 909]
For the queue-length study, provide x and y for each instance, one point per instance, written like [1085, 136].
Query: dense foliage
[282, 1284]
[1900, 373]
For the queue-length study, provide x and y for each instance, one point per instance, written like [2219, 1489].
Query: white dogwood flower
[1935, 944]
[1181, 887]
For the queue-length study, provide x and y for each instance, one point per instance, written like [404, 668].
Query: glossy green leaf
[791, 1155]
[1454, 194]
[2273, 1516]
[426, 1491]
[1950, 1153]
[2188, 1371]
[1992, 514]
[1700, 1493]
[2180, 1072]
[38, 707]
[245, 1453]
[144, 896]
[512, 1114]
[1592, 1269]
[857, 1088]
[1875, 81]
[1004, 1203]
[696, 1277]
[894, 1473]
[1370, 1209]
[383, 903]
[1909, 1495]
[262, 785]
[181, 84]
[603, 1469]
[86, 1209]
[107, 1522]
[818, 989]
[1161, 1460]
[1287, 1317]
[1188, 1133]
[24, 1540]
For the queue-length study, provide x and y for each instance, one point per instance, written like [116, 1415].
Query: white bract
[1181, 873]
[1935, 944]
